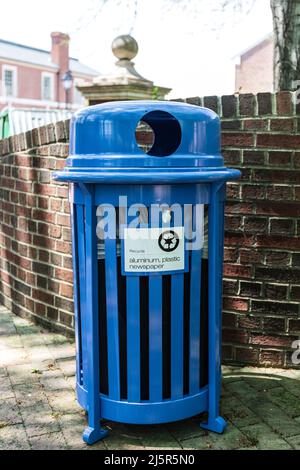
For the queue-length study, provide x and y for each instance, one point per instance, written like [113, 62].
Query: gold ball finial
[125, 47]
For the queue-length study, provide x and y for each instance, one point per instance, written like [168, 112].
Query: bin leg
[94, 432]
[215, 422]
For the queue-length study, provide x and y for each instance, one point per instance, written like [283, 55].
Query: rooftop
[32, 55]
[254, 46]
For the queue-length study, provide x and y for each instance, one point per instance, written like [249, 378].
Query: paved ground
[38, 409]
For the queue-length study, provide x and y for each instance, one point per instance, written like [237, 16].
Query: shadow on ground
[38, 409]
[262, 411]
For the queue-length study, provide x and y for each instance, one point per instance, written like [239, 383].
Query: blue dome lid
[103, 142]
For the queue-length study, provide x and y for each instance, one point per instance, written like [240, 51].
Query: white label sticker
[153, 249]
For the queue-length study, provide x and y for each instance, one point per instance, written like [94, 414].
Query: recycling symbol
[168, 241]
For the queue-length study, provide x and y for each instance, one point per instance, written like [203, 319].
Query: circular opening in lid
[158, 134]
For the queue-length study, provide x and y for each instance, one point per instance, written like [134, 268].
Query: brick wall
[261, 136]
[36, 266]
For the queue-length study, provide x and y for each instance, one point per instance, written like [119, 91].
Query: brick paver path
[38, 409]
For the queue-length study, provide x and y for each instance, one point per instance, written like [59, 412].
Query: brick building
[32, 78]
[254, 71]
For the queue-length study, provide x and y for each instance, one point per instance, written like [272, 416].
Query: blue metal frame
[195, 297]
[164, 176]
[105, 162]
[93, 432]
[112, 315]
[154, 412]
[76, 284]
[215, 267]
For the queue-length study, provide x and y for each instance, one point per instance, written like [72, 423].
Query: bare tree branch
[91, 14]
[134, 16]
[286, 23]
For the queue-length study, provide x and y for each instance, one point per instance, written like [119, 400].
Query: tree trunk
[286, 21]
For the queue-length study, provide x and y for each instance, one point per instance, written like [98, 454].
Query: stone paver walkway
[38, 409]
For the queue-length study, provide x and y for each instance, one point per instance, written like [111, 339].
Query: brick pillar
[60, 57]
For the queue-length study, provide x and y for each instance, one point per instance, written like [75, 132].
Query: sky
[188, 45]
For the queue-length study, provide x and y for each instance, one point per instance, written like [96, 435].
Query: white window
[9, 81]
[47, 86]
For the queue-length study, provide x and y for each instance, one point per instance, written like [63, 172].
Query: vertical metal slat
[76, 293]
[111, 275]
[195, 302]
[91, 313]
[177, 328]
[195, 296]
[82, 280]
[215, 259]
[155, 339]
[133, 338]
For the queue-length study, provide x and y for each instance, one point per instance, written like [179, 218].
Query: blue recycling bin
[147, 198]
